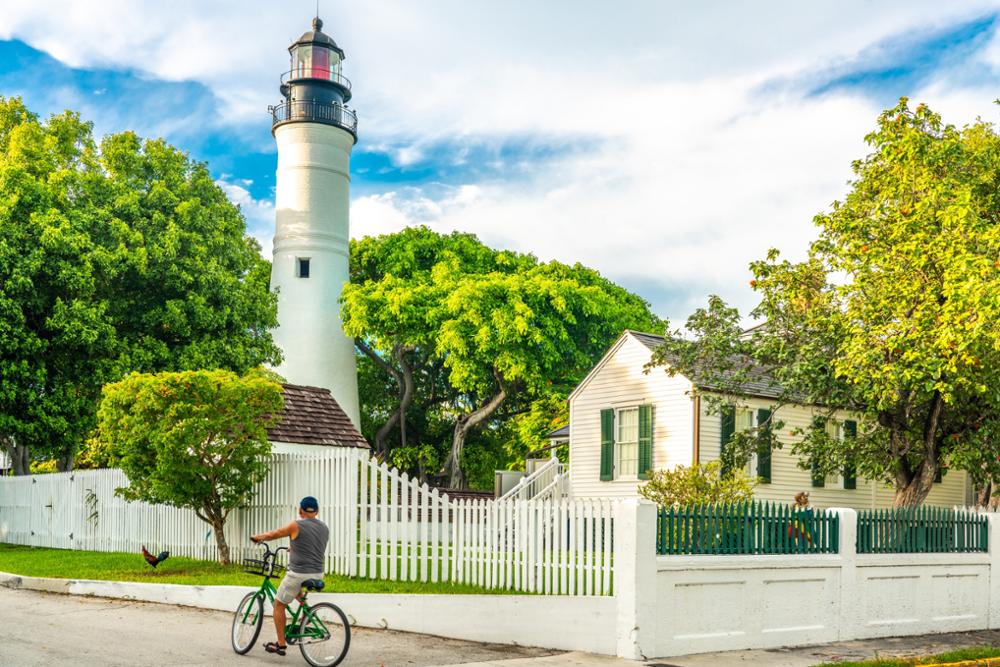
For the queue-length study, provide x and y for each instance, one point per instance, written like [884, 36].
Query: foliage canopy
[115, 257]
[893, 315]
[467, 338]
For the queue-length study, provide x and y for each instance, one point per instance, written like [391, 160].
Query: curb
[218, 598]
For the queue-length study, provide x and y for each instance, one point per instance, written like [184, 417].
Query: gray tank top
[308, 550]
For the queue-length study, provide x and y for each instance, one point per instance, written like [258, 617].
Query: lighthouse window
[302, 267]
[320, 63]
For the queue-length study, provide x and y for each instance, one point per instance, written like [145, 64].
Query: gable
[628, 338]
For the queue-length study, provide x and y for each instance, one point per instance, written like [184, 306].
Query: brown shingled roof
[312, 417]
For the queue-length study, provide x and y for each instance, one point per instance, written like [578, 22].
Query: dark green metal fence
[921, 530]
[746, 528]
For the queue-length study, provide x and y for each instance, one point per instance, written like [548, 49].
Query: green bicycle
[321, 631]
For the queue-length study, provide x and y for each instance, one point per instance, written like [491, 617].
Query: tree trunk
[406, 393]
[65, 462]
[913, 486]
[915, 493]
[983, 496]
[463, 425]
[405, 383]
[20, 459]
[217, 521]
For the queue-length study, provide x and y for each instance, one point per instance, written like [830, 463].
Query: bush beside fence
[921, 530]
[745, 528]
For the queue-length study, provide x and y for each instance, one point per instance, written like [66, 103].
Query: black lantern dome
[315, 89]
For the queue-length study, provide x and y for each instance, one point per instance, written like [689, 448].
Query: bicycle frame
[315, 629]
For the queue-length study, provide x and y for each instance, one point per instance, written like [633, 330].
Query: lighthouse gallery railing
[329, 113]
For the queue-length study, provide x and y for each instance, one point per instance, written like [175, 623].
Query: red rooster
[154, 560]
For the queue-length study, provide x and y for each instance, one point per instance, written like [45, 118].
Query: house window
[835, 431]
[302, 267]
[744, 419]
[627, 443]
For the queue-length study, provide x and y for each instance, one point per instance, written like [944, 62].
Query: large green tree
[478, 333]
[195, 439]
[116, 256]
[893, 315]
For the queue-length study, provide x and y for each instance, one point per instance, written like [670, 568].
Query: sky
[667, 144]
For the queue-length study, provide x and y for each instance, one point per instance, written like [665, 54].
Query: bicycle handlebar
[267, 548]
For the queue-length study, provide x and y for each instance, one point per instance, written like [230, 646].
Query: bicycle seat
[313, 584]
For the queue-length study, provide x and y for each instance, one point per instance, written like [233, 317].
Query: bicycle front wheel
[247, 623]
[325, 635]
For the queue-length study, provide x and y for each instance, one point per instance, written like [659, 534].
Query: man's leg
[279, 621]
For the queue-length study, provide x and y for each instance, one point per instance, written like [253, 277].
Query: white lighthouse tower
[315, 132]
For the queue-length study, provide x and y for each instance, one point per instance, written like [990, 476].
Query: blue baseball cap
[309, 504]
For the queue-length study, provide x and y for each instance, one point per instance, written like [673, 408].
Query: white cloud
[693, 171]
[259, 213]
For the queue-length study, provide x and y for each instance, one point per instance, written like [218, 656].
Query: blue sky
[666, 145]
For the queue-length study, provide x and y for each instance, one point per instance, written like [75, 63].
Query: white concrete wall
[787, 478]
[311, 216]
[619, 382]
[911, 594]
[715, 603]
[720, 603]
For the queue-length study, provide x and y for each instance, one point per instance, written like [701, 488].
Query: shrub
[701, 483]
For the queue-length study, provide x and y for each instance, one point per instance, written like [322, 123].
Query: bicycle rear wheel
[331, 635]
[247, 623]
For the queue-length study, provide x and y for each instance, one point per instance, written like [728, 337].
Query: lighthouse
[315, 132]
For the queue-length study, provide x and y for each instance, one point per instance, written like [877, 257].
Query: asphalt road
[49, 629]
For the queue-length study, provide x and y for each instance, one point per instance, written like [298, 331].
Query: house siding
[787, 478]
[617, 382]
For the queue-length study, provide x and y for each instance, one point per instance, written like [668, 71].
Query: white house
[312, 419]
[624, 420]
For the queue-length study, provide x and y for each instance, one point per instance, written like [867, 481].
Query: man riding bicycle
[307, 549]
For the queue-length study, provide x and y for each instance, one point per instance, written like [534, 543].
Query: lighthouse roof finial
[317, 36]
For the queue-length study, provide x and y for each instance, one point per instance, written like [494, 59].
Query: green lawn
[958, 656]
[69, 564]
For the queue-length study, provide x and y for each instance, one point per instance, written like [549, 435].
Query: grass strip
[979, 656]
[72, 564]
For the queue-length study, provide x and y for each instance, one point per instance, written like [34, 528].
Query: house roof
[311, 416]
[759, 384]
[561, 433]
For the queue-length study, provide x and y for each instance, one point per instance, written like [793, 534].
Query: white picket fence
[383, 525]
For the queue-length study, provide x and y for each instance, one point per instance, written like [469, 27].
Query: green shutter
[728, 428]
[939, 475]
[764, 451]
[607, 444]
[645, 440]
[850, 475]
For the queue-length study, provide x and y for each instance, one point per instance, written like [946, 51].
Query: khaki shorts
[292, 584]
